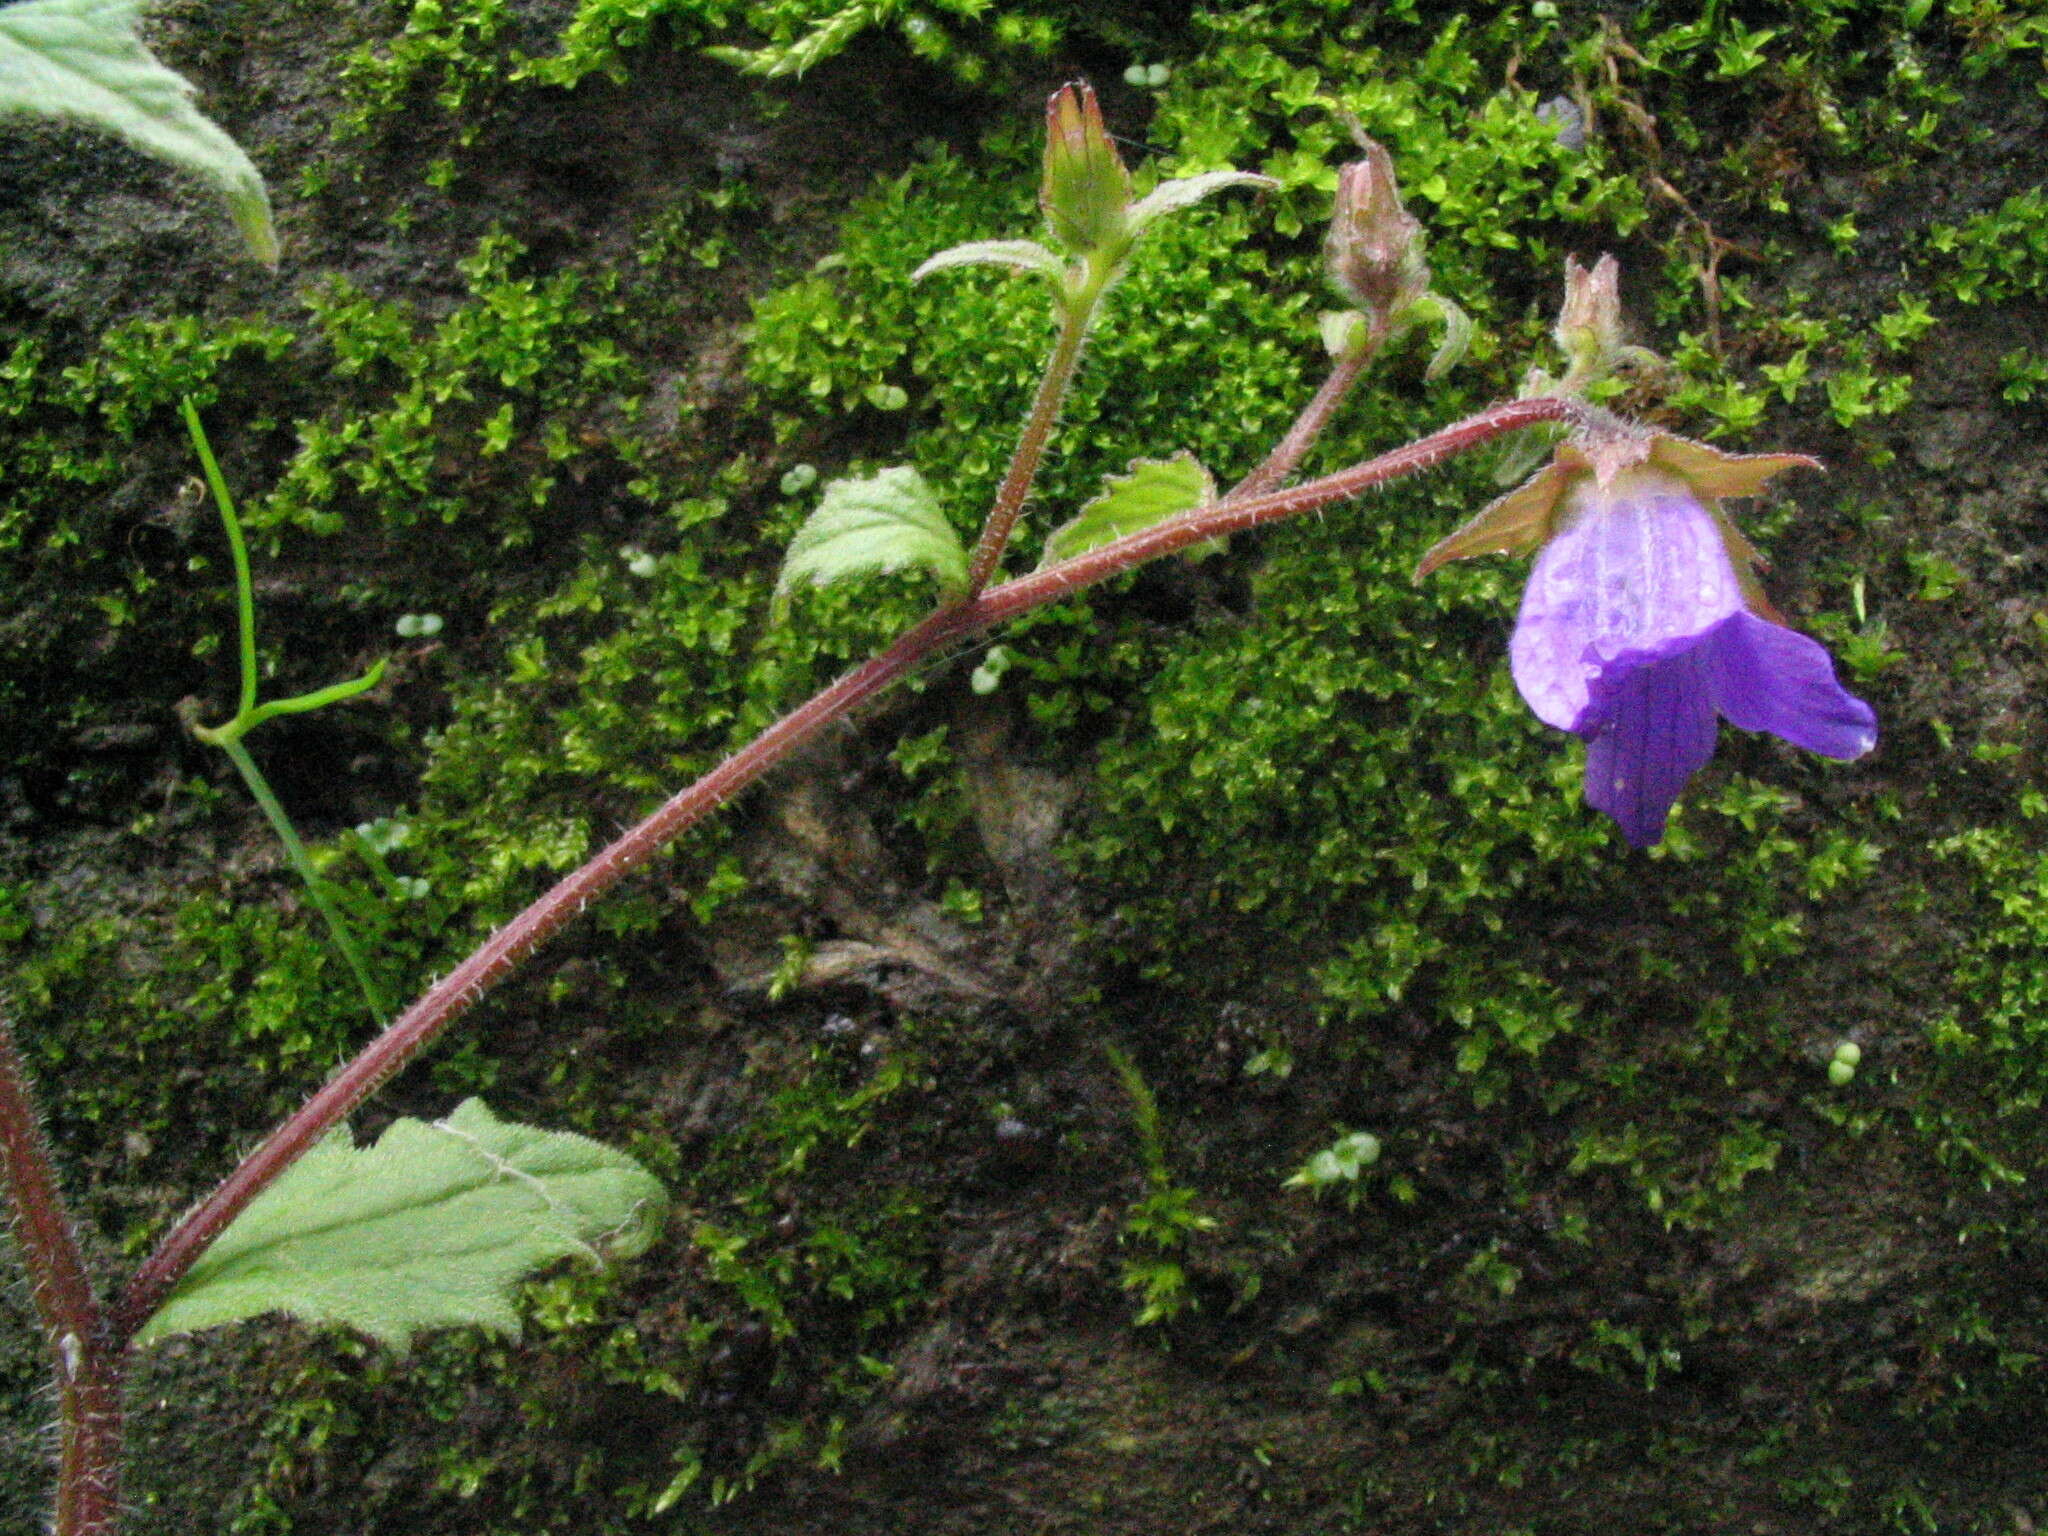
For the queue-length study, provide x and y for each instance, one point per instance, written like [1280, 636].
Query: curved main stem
[452, 996]
[85, 1361]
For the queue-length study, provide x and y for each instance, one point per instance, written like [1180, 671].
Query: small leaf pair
[1086, 198]
[1148, 493]
[889, 521]
[892, 521]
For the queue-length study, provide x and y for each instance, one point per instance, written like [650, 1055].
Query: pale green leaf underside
[81, 59]
[1187, 190]
[1152, 491]
[1342, 330]
[890, 521]
[432, 1226]
[1457, 338]
[1019, 255]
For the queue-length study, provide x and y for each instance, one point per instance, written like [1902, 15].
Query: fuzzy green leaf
[1458, 333]
[433, 1226]
[888, 522]
[1018, 255]
[1170, 196]
[1150, 492]
[81, 59]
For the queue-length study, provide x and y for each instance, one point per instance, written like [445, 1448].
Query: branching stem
[249, 714]
[1287, 453]
[502, 953]
[295, 850]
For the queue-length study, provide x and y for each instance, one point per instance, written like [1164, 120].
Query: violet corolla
[1643, 622]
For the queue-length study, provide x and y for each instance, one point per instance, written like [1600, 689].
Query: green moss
[1995, 256]
[492, 388]
[1317, 801]
[60, 427]
[464, 55]
[788, 1280]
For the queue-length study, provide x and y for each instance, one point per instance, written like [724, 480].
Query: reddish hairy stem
[1235, 514]
[84, 1361]
[502, 953]
[1038, 425]
[89, 1466]
[499, 955]
[58, 1279]
[1287, 453]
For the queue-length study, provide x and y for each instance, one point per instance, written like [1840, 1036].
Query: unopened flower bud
[1086, 188]
[1374, 251]
[1589, 326]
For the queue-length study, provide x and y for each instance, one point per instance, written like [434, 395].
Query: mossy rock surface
[979, 1046]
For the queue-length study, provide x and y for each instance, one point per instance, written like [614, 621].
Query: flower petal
[1659, 732]
[1638, 571]
[1765, 677]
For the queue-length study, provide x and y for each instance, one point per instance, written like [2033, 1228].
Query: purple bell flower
[1642, 624]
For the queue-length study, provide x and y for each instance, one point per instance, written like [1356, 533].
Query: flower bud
[1086, 188]
[1374, 251]
[1589, 326]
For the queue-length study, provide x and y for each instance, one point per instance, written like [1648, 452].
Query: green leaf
[1170, 196]
[1150, 492]
[431, 1227]
[1343, 330]
[1019, 255]
[81, 59]
[888, 522]
[1458, 332]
